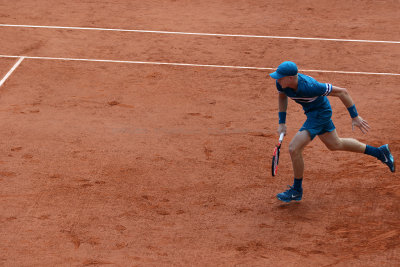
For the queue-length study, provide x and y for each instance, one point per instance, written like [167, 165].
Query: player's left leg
[333, 142]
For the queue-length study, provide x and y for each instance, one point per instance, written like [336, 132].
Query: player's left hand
[360, 123]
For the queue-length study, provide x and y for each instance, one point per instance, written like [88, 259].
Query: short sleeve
[318, 89]
[327, 87]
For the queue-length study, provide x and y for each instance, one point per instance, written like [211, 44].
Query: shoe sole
[284, 200]
[394, 165]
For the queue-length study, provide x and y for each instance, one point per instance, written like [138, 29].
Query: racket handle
[281, 137]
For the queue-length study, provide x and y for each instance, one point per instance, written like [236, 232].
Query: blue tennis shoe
[290, 194]
[387, 157]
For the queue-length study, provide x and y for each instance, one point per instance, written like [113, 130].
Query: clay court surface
[123, 164]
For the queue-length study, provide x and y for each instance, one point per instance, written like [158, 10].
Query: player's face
[285, 81]
[288, 81]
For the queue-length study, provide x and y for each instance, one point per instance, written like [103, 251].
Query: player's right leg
[296, 147]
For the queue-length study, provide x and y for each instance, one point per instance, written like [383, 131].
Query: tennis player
[312, 95]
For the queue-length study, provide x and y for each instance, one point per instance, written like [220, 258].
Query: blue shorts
[317, 124]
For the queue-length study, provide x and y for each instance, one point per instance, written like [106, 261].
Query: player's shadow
[295, 210]
[289, 206]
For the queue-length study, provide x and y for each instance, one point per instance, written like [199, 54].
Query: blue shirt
[311, 94]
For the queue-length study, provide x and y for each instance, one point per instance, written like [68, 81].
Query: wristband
[282, 117]
[353, 111]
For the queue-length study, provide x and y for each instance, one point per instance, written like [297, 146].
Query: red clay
[142, 165]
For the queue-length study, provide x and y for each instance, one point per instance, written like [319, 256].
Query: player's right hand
[282, 128]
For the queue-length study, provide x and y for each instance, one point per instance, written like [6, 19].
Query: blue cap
[287, 68]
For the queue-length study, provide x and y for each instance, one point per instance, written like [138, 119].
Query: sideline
[202, 34]
[11, 70]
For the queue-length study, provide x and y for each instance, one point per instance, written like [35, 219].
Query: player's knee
[334, 146]
[293, 149]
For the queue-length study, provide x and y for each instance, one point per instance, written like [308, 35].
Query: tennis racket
[275, 157]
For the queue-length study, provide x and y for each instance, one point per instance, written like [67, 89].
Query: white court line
[193, 65]
[11, 70]
[202, 34]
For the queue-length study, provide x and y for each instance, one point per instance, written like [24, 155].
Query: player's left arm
[346, 99]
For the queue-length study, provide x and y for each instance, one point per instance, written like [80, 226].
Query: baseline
[203, 34]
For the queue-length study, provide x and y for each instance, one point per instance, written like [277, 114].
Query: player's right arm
[282, 107]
